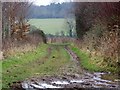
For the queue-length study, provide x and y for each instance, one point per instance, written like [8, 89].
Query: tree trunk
[1, 31]
[70, 33]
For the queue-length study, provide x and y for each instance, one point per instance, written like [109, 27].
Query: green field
[50, 26]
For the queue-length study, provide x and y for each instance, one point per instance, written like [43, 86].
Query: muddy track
[75, 80]
[73, 56]
[91, 80]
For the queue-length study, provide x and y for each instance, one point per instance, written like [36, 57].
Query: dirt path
[70, 76]
[87, 79]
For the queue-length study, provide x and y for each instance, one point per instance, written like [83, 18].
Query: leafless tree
[71, 26]
[0, 30]
[14, 19]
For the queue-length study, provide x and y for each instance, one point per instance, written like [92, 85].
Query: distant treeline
[51, 11]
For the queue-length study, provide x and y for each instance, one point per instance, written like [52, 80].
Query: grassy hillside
[50, 26]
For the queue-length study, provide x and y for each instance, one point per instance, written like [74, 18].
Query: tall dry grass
[11, 47]
[103, 42]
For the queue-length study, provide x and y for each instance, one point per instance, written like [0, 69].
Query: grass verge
[13, 68]
[85, 60]
[91, 64]
[34, 64]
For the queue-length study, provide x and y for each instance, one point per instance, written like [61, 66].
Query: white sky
[46, 2]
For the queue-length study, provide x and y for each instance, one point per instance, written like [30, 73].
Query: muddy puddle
[94, 80]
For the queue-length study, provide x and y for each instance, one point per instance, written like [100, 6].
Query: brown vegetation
[98, 27]
[17, 35]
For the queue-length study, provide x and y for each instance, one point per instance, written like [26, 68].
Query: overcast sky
[46, 2]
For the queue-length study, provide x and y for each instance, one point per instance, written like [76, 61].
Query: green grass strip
[34, 64]
[14, 68]
[85, 61]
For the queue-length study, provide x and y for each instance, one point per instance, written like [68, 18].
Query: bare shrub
[13, 46]
[102, 41]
